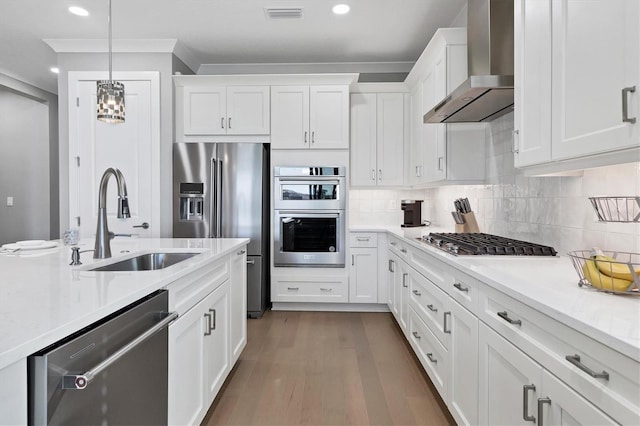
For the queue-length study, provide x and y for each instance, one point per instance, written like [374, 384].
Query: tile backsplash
[553, 210]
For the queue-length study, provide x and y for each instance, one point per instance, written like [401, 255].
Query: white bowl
[30, 243]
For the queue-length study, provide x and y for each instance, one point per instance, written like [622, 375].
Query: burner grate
[487, 244]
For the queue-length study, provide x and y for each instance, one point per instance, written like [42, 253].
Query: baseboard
[332, 307]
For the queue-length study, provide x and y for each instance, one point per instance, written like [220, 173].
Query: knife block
[470, 224]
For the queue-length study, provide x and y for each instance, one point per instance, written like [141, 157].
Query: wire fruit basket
[608, 271]
[616, 209]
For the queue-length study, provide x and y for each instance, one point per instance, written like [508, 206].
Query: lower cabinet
[238, 295]
[363, 269]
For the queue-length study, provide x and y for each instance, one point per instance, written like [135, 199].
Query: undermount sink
[147, 262]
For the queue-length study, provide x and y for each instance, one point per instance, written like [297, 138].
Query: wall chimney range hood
[488, 92]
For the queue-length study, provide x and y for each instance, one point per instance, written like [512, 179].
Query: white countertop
[549, 285]
[43, 299]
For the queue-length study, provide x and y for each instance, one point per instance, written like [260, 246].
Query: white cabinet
[377, 138]
[13, 393]
[216, 340]
[314, 117]
[363, 273]
[238, 295]
[206, 110]
[443, 153]
[573, 94]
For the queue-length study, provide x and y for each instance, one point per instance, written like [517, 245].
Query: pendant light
[110, 106]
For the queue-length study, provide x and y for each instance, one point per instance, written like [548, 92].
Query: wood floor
[326, 368]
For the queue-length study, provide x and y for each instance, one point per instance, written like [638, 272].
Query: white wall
[547, 210]
[24, 167]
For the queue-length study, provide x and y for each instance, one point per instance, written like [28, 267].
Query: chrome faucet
[103, 236]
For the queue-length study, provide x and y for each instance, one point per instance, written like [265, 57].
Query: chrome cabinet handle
[505, 316]
[143, 225]
[213, 319]
[404, 280]
[305, 136]
[222, 122]
[373, 174]
[403, 250]
[525, 403]
[440, 160]
[241, 252]
[353, 260]
[293, 288]
[380, 174]
[432, 309]
[391, 266]
[325, 289]
[625, 105]
[431, 358]
[393, 243]
[417, 293]
[541, 402]
[444, 323]
[362, 238]
[80, 381]
[313, 137]
[229, 123]
[514, 147]
[416, 335]
[208, 332]
[461, 288]
[575, 360]
[251, 262]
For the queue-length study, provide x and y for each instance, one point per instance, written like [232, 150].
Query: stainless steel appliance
[114, 372]
[485, 244]
[309, 217]
[412, 213]
[488, 91]
[221, 190]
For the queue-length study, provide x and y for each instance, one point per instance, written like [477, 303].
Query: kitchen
[510, 201]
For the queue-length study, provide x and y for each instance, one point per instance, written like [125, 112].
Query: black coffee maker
[412, 213]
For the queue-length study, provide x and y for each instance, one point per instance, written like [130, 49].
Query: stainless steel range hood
[488, 92]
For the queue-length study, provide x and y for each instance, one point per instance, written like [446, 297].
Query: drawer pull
[393, 243]
[432, 309]
[505, 316]
[241, 252]
[416, 335]
[362, 238]
[293, 288]
[461, 288]
[417, 293]
[391, 265]
[541, 402]
[404, 280]
[404, 250]
[525, 403]
[353, 260]
[325, 289]
[444, 323]
[575, 360]
[431, 358]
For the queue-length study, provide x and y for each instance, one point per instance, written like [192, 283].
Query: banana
[603, 281]
[611, 267]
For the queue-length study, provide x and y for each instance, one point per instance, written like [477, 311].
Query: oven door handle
[308, 213]
[309, 180]
[80, 381]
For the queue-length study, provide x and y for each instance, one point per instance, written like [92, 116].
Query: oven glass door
[309, 238]
[303, 194]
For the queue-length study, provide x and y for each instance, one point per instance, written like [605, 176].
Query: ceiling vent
[283, 12]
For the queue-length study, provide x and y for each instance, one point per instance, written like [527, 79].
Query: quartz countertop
[43, 299]
[548, 285]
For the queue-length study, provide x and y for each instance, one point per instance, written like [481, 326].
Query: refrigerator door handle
[219, 200]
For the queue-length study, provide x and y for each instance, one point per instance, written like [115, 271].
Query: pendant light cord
[110, 50]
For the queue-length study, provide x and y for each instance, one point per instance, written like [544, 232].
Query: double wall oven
[309, 228]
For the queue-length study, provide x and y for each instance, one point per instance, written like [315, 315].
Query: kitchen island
[43, 299]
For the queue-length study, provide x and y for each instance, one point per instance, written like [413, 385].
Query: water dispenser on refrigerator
[191, 201]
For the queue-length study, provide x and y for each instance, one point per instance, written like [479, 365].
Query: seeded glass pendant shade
[110, 105]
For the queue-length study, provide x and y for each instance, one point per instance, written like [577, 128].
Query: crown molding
[119, 45]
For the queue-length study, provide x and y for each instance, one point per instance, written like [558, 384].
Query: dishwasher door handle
[80, 381]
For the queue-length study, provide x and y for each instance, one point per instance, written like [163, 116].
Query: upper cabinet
[204, 111]
[442, 153]
[315, 117]
[377, 138]
[576, 88]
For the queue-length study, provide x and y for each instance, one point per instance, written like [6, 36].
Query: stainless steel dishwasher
[113, 372]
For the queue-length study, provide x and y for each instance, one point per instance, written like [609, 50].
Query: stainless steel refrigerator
[221, 190]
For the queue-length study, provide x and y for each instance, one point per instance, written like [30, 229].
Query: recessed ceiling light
[55, 70]
[341, 9]
[78, 11]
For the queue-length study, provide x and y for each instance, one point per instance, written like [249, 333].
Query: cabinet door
[590, 70]
[363, 139]
[504, 373]
[216, 342]
[363, 278]
[248, 110]
[463, 353]
[187, 404]
[416, 165]
[238, 314]
[390, 138]
[391, 283]
[561, 405]
[402, 295]
[290, 117]
[329, 117]
[205, 110]
[532, 92]
[439, 159]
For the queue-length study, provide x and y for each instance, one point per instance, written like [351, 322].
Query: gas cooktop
[485, 244]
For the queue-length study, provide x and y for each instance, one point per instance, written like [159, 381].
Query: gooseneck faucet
[103, 236]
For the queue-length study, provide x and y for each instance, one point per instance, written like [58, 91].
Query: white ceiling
[225, 31]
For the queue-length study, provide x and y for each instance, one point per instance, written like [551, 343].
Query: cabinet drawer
[432, 355]
[550, 342]
[189, 290]
[431, 268]
[464, 290]
[363, 239]
[397, 246]
[429, 303]
[304, 290]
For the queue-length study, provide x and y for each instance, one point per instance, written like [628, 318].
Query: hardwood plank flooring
[327, 368]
